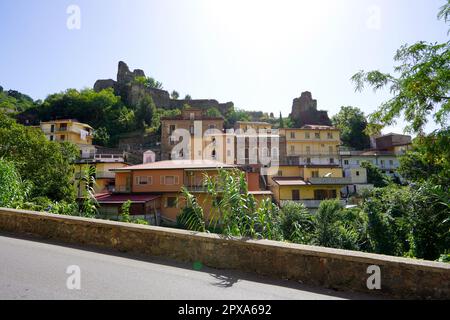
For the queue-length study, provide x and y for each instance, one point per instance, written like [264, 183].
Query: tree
[420, 86]
[428, 159]
[187, 97]
[101, 136]
[89, 207]
[297, 223]
[46, 164]
[213, 112]
[375, 176]
[281, 125]
[352, 123]
[175, 95]
[13, 191]
[234, 210]
[145, 111]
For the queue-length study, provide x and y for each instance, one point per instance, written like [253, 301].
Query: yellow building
[308, 185]
[252, 125]
[312, 144]
[70, 130]
[105, 179]
[311, 172]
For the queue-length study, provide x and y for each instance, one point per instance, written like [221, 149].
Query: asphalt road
[31, 269]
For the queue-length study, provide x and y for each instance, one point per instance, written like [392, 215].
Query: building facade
[73, 131]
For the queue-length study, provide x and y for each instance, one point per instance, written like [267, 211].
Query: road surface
[31, 269]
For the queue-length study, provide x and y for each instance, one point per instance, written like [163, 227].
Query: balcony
[331, 180]
[98, 175]
[309, 203]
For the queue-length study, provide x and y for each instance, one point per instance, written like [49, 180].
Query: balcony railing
[330, 180]
[309, 203]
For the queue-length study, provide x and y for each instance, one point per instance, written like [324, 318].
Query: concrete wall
[332, 268]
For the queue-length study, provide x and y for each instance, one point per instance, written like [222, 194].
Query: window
[192, 116]
[169, 180]
[143, 180]
[63, 137]
[307, 135]
[171, 202]
[191, 129]
[295, 195]
[317, 135]
[315, 174]
[308, 160]
[280, 173]
[292, 135]
[357, 173]
[172, 128]
[228, 140]
[292, 149]
[52, 138]
[52, 128]
[357, 162]
[391, 162]
[228, 153]
[346, 162]
[330, 149]
[212, 126]
[330, 135]
[308, 149]
[331, 160]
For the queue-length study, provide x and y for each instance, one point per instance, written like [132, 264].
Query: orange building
[155, 188]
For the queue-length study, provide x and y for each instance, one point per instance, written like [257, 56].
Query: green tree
[89, 207]
[174, 95]
[192, 216]
[352, 123]
[281, 125]
[297, 223]
[101, 136]
[420, 85]
[375, 176]
[235, 212]
[213, 112]
[47, 165]
[428, 159]
[145, 111]
[13, 191]
[188, 97]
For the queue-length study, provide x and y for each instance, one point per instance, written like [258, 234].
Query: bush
[296, 223]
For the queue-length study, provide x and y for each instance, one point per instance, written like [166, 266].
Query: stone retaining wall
[325, 267]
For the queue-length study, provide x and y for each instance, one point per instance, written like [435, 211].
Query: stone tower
[304, 111]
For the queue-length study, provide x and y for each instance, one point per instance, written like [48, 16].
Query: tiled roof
[121, 198]
[177, 164]
[290, 181]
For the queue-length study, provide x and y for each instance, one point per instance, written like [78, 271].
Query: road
[31, 269]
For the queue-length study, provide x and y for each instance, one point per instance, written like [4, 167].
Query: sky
[259, 54]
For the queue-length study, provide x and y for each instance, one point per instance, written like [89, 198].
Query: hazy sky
[258, 54]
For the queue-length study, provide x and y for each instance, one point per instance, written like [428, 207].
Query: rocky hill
[132, 92]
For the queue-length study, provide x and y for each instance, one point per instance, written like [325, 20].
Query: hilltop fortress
[131, 92]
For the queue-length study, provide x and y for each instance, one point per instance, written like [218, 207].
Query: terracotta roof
[290, 181]
[121, 198]
[177, 164]
[313, 127]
